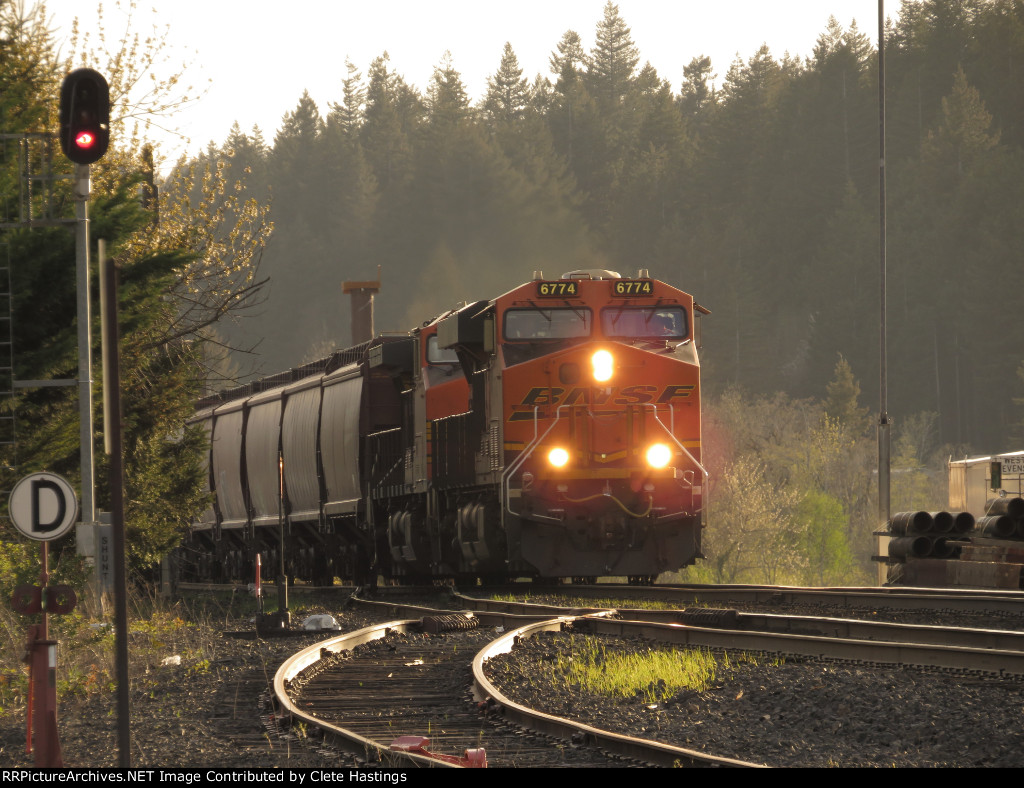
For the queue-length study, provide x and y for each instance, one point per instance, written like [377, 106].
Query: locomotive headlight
[558, 457]
[659, 455]
[602, 362]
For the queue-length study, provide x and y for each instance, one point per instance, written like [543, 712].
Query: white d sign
[43, 506]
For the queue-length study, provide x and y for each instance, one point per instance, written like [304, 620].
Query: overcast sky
[257, 57]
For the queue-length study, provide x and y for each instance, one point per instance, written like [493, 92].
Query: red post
[42, 659]
[44, 691]
[25, 511]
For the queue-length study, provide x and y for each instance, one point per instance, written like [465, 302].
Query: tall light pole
[884, 425]
[84, 138]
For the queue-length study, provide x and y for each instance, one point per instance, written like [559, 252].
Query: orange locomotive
[590, 386]
[553, 432]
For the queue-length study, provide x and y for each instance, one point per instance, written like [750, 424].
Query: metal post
[81, 197]
[282, 578]
[43, 657]
[112, 386]
[884, 425]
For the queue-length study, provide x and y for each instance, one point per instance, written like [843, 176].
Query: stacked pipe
[928, 534]
[1004, 519]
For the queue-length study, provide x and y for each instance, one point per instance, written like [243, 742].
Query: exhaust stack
[362, 307]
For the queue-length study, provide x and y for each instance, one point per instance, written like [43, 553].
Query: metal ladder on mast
[29, 156]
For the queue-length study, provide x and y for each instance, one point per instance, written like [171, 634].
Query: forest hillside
[760, 196]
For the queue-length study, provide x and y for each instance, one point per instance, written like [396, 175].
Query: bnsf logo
[544, 396]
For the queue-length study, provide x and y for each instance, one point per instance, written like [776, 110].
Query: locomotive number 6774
[551, 432]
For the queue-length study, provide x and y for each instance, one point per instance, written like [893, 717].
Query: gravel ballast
[210, 710]
[798, 713]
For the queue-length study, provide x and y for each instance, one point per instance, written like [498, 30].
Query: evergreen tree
[294, 163]
[447, 100]
[612, 61]
[697, 95]
[956, 204]
[567, 61]
[964, 132]
[750, 106]
[994, 49]
[385, 132]
[349, 114]
[508, 92]
[647, 201]
[839, 285]
[541, 95]
[841, 400]
[572, 112]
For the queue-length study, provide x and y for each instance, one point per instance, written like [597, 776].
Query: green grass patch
[650, 673]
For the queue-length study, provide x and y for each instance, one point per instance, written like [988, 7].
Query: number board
[562, 289]
[633, 287]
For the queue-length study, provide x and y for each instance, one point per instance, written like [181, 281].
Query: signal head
[84, 116]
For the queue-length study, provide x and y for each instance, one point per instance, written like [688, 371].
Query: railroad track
[916, 637]
[369, 721]
[998, 602]
[940, 600]
[410, 679]
[995, 652]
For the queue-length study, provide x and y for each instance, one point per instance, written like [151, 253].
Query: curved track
[363, 705]
[322, 683]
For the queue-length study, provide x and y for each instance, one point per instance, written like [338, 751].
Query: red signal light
[84, 116]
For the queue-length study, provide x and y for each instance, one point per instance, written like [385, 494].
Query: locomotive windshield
[546, 323]
[440, 355]
[644, 322]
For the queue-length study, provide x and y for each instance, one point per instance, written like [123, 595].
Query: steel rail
[918, 599]
[921, 654]
[853, 629]
[356, 744]
[345, 739]
[824, 626]
[641, 749]
[898, 590]
[930, 655]
[992, 661]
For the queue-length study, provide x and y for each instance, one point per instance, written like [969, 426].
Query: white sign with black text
[43, 506]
